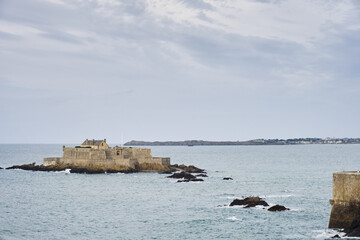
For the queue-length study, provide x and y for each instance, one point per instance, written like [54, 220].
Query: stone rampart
[108, 158]
[346, 200]
[52, 161]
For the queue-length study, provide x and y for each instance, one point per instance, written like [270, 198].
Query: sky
[160, 70]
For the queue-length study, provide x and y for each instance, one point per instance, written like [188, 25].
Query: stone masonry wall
[52, 161]
[346, 199]
[109, 158]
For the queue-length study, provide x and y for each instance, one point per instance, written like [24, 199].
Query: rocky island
[95, 156]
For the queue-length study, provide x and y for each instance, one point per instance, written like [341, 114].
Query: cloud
[212, 60]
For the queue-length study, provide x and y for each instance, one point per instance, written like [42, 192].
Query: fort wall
[346, 199]
[107, 157]
[52, 161]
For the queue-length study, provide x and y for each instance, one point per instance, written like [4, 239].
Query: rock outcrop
[249, 202]
[185, 175]
[201, 175]
[142, 167]
[227, 178]
[277, 208]
[74, 169]
[189, 169]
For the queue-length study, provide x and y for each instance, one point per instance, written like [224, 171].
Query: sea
[63, 205]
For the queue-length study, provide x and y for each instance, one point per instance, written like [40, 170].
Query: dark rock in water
[87, 171]
[201, 175]
[185, 175]
[33, 167]
[196, 180]
[190, 168]
[227, 178]
[354, 230]
[1, 168]
[191, 180]
[73, 169]
[278, 208]
[249, 202]
[165, 172]
[336, 236]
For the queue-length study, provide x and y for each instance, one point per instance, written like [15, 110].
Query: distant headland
[292, 141]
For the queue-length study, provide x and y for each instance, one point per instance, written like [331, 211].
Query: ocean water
[58, 205]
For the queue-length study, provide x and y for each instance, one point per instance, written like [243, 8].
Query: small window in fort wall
[117, 153]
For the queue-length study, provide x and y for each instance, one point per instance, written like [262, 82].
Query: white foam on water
[66, 171]
[277, 196]
[327, 233]
[227, 206]
[233, 218]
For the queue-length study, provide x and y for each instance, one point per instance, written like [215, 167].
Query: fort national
[97, 153]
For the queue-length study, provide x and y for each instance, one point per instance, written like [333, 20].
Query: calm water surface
[45, 205]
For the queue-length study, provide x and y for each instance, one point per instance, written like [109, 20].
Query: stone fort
[98, 153]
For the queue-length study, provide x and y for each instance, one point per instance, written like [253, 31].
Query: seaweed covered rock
[43, 168]
[87, 170]
[185, 175]
[73, 169]
[249, 202]
[277, 208]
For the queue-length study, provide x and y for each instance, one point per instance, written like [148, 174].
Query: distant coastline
[292, 141]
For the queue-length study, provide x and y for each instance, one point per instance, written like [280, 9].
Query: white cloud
[184, 58]
[18, 29]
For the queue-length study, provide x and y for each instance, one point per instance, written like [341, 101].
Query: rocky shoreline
[98, 169]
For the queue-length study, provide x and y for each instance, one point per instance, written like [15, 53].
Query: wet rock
[336, 236]
[354, 230]
[33, 167]
[189, 169]
[1, 168]
[73, 169]
[166, 172]
[201, 175]
[249, 202]
[87, 170]
[227, 178]
[185, 175]
[277, 208]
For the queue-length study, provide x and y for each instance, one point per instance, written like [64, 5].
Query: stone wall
[346, 199]
[109, 158]
[52, 161]
[162, 161]
[89, 157]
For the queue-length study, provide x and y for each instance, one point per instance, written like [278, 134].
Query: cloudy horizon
[158, 70]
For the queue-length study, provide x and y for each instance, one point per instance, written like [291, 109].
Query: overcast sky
[178, 69]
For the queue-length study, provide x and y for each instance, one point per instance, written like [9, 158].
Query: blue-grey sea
[58, 205]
